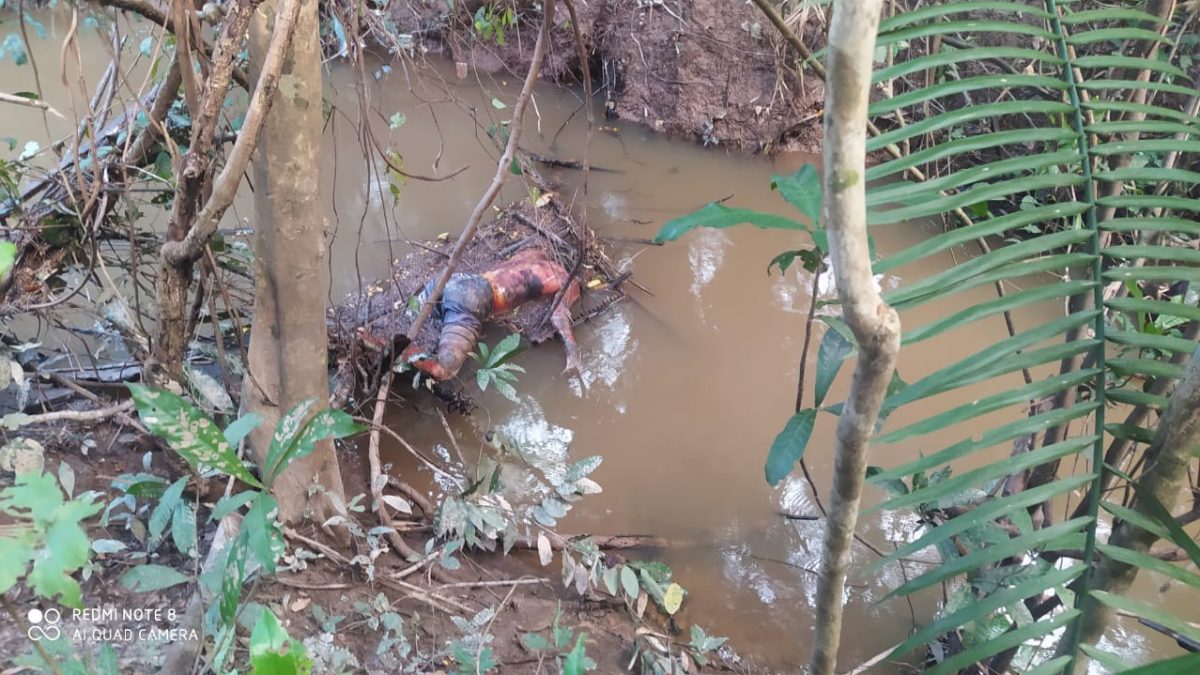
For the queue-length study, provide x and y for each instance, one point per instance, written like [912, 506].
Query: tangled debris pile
[381, 313]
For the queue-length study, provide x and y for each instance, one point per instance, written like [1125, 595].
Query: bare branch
[30, 102]
[226, 184]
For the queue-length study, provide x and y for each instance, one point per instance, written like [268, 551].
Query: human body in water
[471, 299]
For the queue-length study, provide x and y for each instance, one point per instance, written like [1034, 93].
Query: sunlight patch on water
[706, 255]
[545, 445]
[603, 359]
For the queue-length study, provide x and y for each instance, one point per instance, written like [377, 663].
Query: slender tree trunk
[876, 326]
[287, 355]
[1166, 459]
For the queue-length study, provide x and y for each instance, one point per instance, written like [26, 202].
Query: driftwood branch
[875, 325]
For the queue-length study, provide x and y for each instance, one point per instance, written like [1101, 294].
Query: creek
[683, 387]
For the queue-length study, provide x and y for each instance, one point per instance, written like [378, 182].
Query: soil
[706, 70]
[322, 587]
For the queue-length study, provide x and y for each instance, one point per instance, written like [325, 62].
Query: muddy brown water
[683, 387]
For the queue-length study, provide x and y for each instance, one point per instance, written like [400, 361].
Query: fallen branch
[78, 415]
[377, 503]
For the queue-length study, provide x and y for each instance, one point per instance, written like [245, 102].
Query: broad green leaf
[293, 445]
[183, 529]
[231, 503]
[629, 582]
[260, 532]
[789, 446]
[573, 664]
[170, 500]
[189, 432]
[1114, 663]
[273, 652]
[534, 642]
[241, 427]
[802, 190]
[836, 345]
[720, 216]
[152, 578]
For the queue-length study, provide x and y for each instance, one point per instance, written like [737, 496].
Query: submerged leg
[562, 323]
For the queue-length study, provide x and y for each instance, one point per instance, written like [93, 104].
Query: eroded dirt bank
[705, 70]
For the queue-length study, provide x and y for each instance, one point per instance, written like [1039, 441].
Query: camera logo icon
[43, 624]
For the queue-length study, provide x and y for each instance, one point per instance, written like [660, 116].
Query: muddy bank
[708, 70]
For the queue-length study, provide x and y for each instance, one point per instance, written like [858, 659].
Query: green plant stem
[1070, 641]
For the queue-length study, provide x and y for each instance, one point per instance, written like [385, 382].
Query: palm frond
[1070, 151]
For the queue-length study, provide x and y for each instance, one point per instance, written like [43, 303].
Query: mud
[707, 70]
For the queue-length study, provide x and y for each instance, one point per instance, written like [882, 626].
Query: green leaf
[241, 427]
[8, 258]
[397, 120]
[836, 345]
[292, 441]
[273, 652]
[161, 517]
[183, 529]
[106, 661]
[573, 663]
[789, 446]
[803, 191]
[498, 104]
[145, 578]
[534, 642]
[629, 582]
[582, 468]
[809, 258]
[719, 216]
[260, 532]
[189, 432]
[1188, 663]
[231, 503]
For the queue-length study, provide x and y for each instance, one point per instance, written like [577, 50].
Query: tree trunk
[287, 354]
[876, 326]
[1167, 457]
